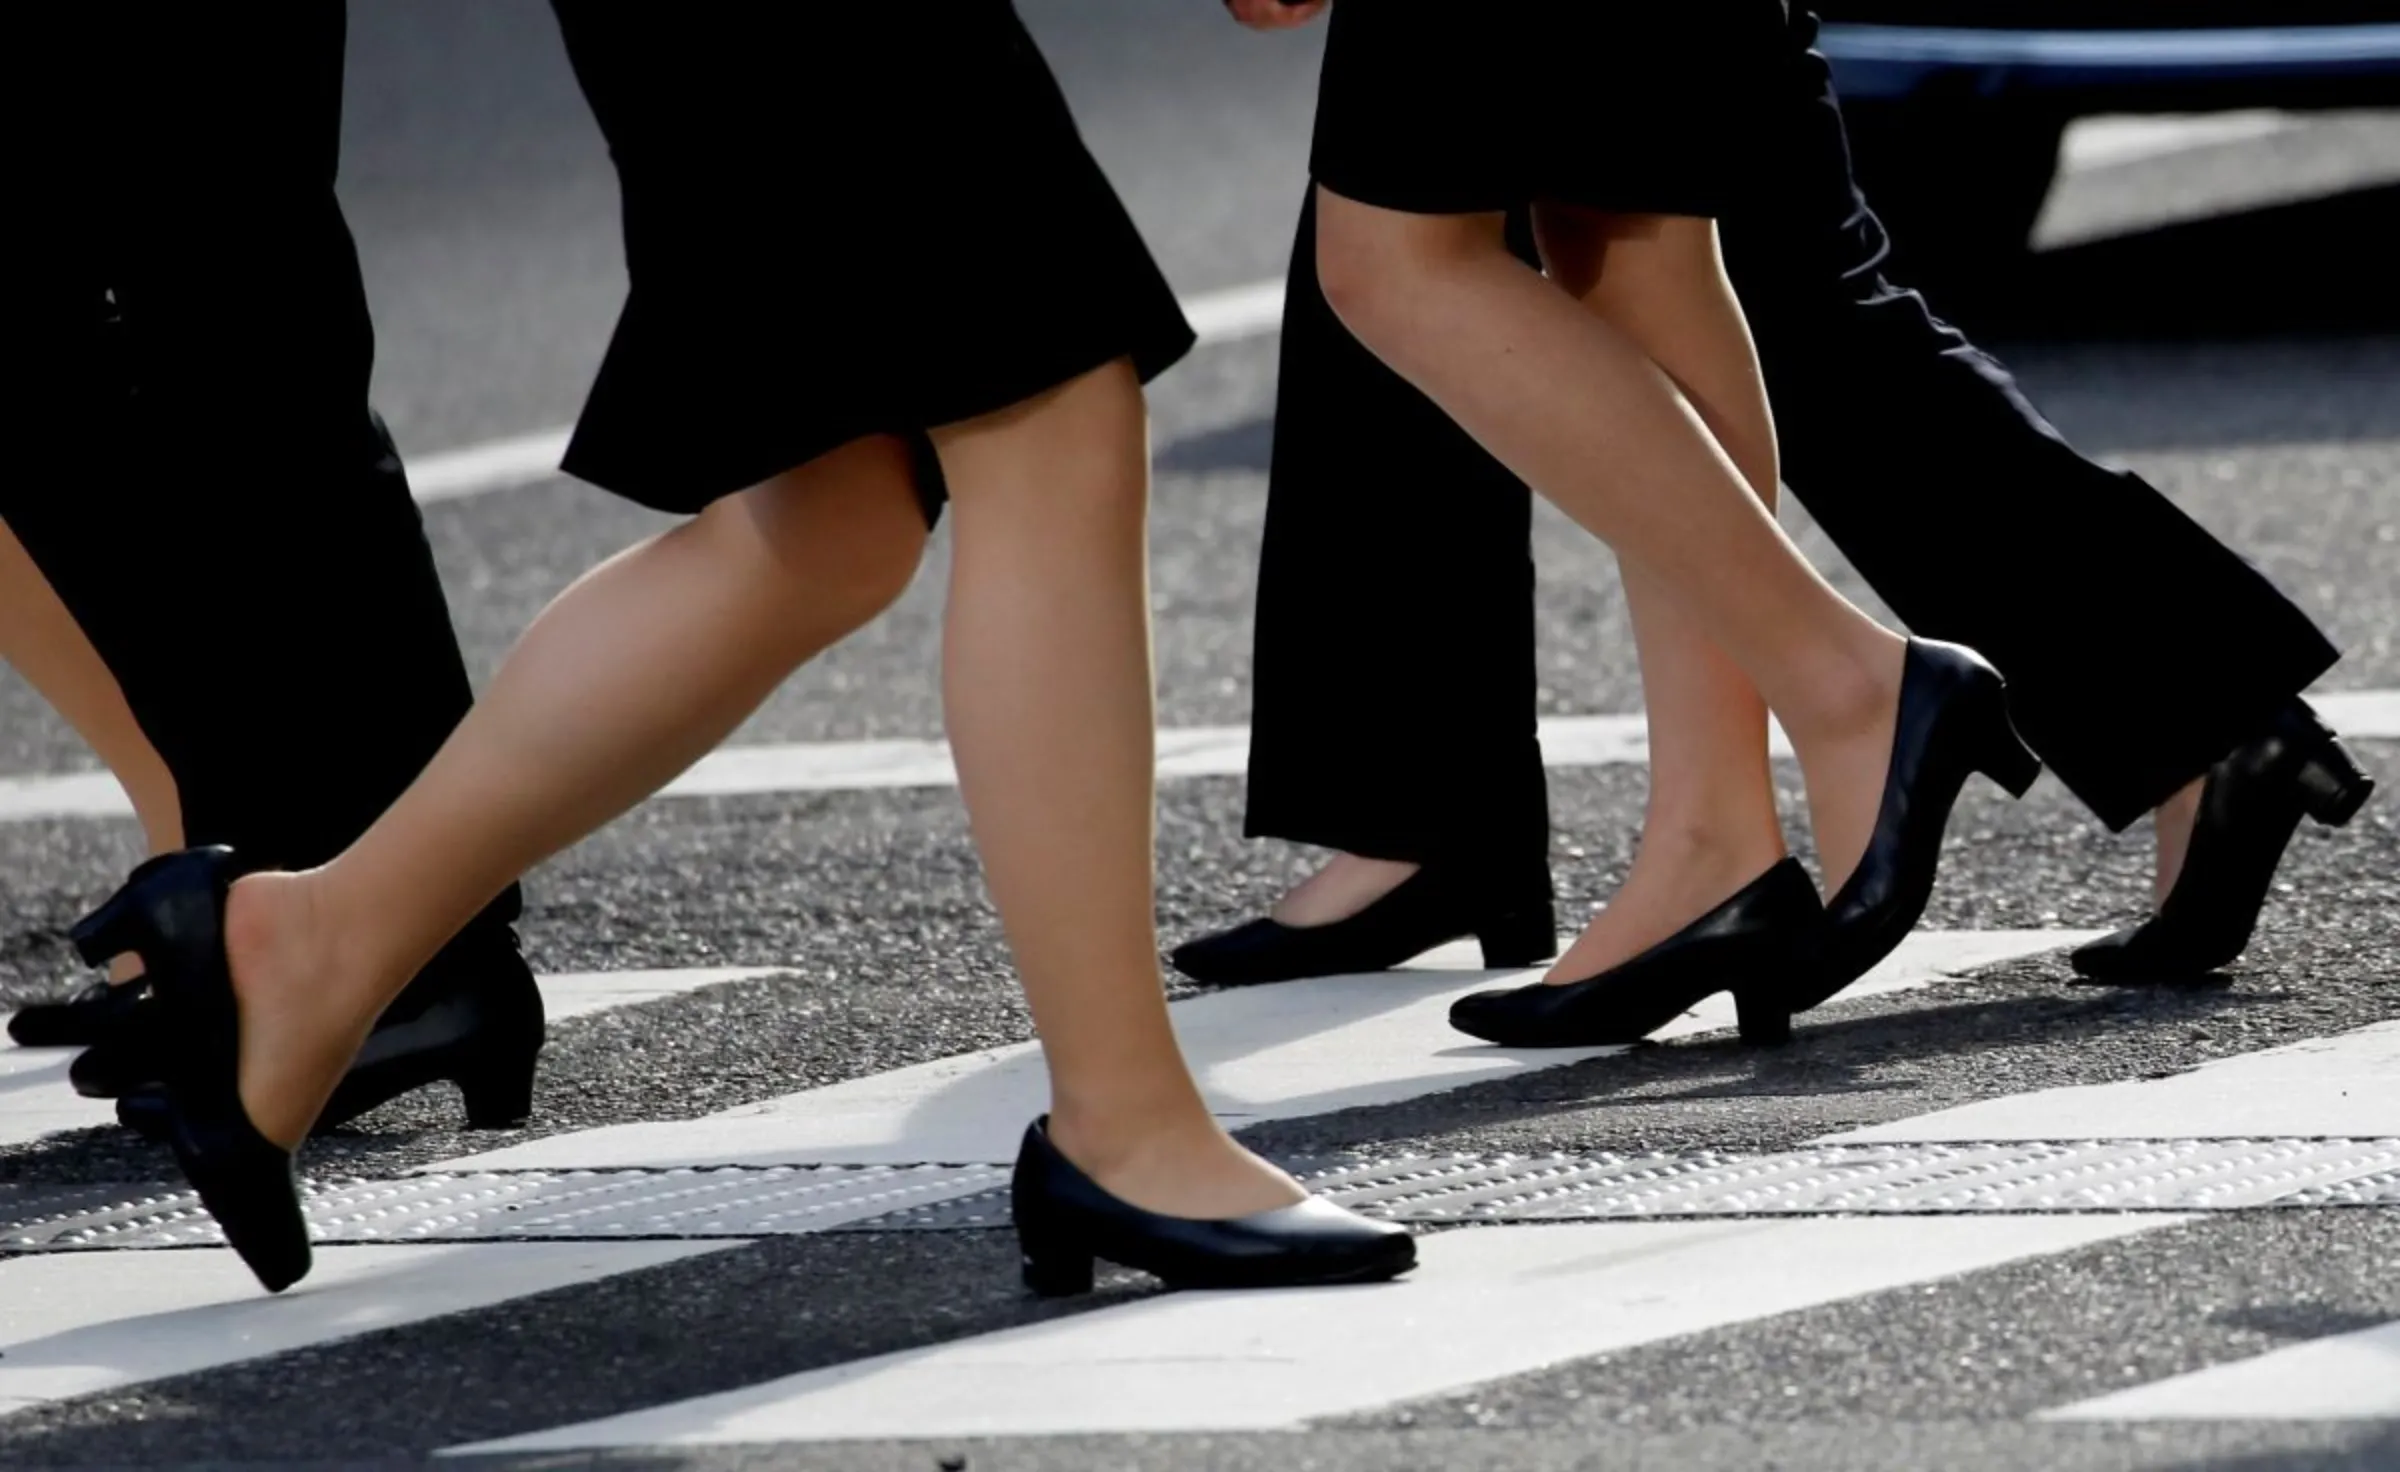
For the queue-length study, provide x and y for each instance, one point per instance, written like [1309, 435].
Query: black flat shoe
[1756, 945]
[2250, 806]
[171, 913]
[1953, 722]
[473, 1018]
[95, 1012]
[1431, 907]
[1065, 1222]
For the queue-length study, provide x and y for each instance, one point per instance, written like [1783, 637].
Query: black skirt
[1633, 108]
[842, 221]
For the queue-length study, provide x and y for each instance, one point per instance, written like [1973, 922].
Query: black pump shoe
[1756, 945]
[1065, 1222]
[1953, 722]
[1431, 907]
[472, 1018]
[171, 913]
[2250, 807]
[94, 1013]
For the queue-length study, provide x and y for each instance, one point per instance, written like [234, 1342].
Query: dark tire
[1958, 184]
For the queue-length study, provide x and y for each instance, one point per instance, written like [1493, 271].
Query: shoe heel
[2332, 788]
[1518, 940]
[498, 1089]
[2006, 759]
[118, 926]
[1763, 1017]
[1053, 1273]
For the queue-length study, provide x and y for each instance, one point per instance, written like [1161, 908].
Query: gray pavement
[2217, 319]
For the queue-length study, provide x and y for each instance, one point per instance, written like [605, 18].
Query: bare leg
[42, 641]
[633, 673]
[1047, 689]
[2173, 823]
[1711, 825]
[653, 657]
[1582, 415]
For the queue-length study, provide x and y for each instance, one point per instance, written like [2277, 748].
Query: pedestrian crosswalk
[1544, 1262]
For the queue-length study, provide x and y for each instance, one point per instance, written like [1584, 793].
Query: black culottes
[842, 221]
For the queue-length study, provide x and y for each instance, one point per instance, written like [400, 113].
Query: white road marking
[1197, 751]
[2105, 142]
[1273, 1052]
[2343, 1377]
[2344, 1086]
[1485, 1303]
[36, 1099]
[80, 1322]
[582, 993]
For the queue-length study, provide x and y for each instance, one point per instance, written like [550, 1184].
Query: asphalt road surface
[1979, 1216]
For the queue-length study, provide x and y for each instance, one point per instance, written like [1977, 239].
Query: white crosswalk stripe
[1204, 751]
[2341, 1377]
[1483, 1304]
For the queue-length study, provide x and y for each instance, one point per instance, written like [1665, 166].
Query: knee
[1362, 271]
[1378, 268]
[845, 532]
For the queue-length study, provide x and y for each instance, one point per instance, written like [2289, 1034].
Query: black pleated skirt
[1636, 108]
[842, 220]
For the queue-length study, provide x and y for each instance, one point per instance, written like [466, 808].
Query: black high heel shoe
[1065, 1222]
[1756, 945]
[94, 1013]
[1952, 723]
[1431, 907]
[473, 1018]
[2250, 806]
[171, 913]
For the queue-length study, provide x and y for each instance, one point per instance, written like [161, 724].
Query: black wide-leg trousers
[201, 477]
[1394, 672]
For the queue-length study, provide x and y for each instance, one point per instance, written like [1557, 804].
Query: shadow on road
[2319, 266]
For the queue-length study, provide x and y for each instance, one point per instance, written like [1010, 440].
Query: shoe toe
[1485, 1015]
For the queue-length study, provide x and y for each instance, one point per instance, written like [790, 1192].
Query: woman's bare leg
[628, 677]
[1047, 689]
[42, 641]
[1710, 826]
[1570, 405]
[649, 660]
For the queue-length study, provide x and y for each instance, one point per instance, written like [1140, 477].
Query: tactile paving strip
[2014, 1176]
[771, 1201]
[529, 1205]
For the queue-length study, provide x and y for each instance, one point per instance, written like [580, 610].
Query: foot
[299, 1025]
[1674, 880]
[1184, 1166]
[1846, 759]
[2175, 820]
[1346, 885]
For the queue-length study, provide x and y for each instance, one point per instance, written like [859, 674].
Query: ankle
[281, 939]
[1105, 1137]
[1709, 844]
[1851, 694]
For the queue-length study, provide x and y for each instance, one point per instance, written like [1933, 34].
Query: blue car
[1956, 107]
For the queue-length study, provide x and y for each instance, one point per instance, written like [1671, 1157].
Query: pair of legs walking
[650, 659]
[1916, 453]
[1025, 411]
